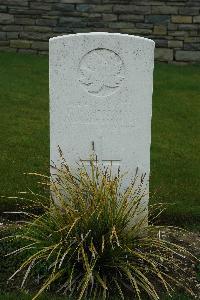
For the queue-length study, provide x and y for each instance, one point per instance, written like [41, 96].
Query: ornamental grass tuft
[92, 240]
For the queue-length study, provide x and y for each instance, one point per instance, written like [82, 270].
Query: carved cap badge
[101, 72]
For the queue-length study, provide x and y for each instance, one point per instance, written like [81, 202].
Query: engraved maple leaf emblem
[101, 71]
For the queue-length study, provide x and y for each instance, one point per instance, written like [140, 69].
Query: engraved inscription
[101, 72]
[92, 115]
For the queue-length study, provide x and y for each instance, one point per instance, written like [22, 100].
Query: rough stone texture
[188, 56]
[40, 45]
[164, 9]
[192, 46]
[6, 18]
[175, 44]
[24, 21]
[93, 78]
[158, 19]
[2, 36]
[3, 8]
[173, 24]
[196, 19]
[21, 44]
[182, 19]
[161, 43]
[160, 30]
[162, 54]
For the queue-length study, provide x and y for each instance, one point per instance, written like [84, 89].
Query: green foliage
[91, 241]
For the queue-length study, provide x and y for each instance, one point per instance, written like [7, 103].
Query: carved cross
[104, 162]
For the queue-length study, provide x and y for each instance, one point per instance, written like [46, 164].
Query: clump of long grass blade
[92, 240]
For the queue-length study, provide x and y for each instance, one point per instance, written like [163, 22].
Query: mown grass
[24, 122]
[175, 160]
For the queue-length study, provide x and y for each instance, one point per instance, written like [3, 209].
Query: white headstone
[101, 99]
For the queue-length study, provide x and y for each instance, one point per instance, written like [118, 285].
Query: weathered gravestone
[100, 99]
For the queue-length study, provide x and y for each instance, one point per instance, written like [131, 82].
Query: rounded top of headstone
[103, 34]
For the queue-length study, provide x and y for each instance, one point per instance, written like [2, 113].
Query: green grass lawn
[24, 129]
[175, 159]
